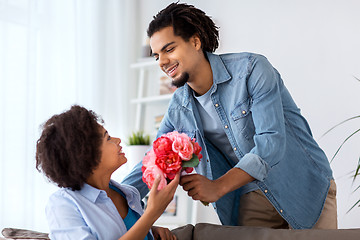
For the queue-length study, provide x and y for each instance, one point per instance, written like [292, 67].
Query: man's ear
[196, 41]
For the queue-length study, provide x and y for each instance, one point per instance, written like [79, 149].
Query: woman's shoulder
[126, 189]
[62, 194]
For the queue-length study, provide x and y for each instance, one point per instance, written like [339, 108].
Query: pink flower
[183, 146]
[149, 175]
[169, 163]
[171, 153]
[162, 145]
[172, 135]
[149, 159]
[197, 148]
[189, 169]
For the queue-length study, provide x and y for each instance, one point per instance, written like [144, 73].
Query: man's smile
[172, 70]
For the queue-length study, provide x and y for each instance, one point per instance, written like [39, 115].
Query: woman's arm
[157, 202]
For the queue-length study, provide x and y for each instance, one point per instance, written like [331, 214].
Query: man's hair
[68, 149]
[187, 21]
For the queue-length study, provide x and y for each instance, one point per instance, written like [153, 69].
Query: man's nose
[163, 61]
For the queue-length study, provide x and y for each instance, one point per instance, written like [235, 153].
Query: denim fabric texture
[271, 139]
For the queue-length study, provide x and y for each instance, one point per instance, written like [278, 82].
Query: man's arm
[201, 188]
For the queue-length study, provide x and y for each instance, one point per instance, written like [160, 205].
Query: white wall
[315, 46]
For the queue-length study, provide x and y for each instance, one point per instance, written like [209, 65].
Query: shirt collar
[93, 194]
[90, 192]
[220, 75]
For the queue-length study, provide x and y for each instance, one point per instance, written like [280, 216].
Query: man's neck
[203, 80]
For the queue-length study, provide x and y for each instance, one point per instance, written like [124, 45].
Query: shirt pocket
[242, 117]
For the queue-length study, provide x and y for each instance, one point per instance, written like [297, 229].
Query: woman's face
[112, 156]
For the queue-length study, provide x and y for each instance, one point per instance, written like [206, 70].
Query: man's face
[177, 58]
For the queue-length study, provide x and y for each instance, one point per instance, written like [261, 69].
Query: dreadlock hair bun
[187, 21]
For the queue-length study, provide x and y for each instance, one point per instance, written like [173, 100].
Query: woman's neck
[99, 181]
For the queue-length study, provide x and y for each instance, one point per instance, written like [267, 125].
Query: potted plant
[356, 173]
[138, 138]
[137, 145]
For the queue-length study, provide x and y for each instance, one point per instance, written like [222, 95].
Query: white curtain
[55, 53]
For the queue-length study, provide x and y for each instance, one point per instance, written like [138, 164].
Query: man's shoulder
[240, 57]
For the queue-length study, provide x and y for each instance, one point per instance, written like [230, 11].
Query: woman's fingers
[156, 183]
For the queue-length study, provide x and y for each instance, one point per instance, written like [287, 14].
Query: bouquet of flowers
[171, 153]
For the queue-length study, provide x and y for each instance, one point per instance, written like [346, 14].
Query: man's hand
[162, 233]
[200, 188]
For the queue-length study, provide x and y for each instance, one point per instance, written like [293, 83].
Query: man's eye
[109, 138]
[170, 49]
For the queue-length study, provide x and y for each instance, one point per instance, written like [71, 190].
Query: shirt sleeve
[65, 221]
[267, 112]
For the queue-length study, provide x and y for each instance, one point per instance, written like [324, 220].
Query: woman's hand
[160, 199]
[157, 202]
[162, 233]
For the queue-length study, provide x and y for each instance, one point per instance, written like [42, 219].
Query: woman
[77, 153]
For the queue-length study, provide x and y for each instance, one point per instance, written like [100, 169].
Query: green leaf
[357, 170]
[139, 138]
[343, 144]
[353, 206]
[339, 125]
[193, 162]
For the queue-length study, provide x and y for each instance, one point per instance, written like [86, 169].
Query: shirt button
[216, 105]
[207, 160]
[133, 206]
[226, 126]
[235, 148]
[243, 111]
[265, 191]
[281, 210]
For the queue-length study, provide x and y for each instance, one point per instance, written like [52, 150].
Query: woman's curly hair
[186, 21]
[68, 149]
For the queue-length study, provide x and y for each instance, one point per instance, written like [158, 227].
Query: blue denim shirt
[270, 137]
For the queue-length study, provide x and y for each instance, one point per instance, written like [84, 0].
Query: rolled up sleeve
[254, 166]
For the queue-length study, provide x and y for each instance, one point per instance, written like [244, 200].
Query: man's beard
[181, 80]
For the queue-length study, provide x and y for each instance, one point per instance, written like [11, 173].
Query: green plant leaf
[357, 171]
[139, 138]
[356, 188]
[193, 162]
[353, 206]
[344, 143]
[339, 125]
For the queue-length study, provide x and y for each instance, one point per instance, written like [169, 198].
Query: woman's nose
[117, 140]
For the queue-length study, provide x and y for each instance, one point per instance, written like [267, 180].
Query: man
[261, 165]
